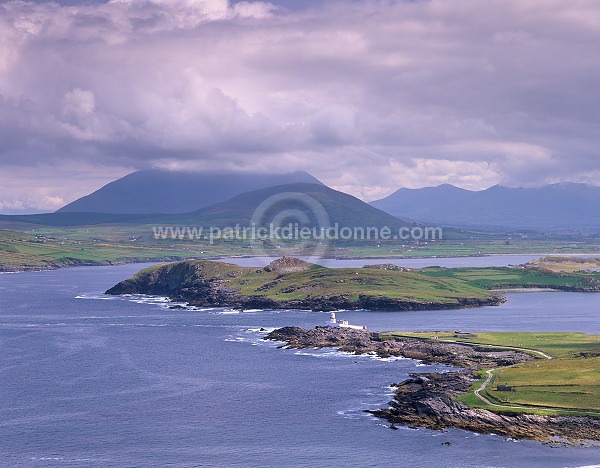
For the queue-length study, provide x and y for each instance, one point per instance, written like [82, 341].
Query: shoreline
[290, 283]
[427, 399]
[50, 267]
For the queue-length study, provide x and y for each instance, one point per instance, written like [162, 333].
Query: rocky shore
[427, 400]
[214, 284]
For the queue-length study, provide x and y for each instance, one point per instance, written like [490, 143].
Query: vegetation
[568, 264]
[19, 251]
[519, 277]
[566, 381]
[31, 245]
[290, 279]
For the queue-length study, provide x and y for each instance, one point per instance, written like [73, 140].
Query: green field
[320, 281]
[353, 282]
[559, 383]
[443, 287]
[555, 344]
[568, 383]
[518, 277]
[40, 246]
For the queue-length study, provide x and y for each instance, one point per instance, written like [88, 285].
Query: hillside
[338, 207]
[569, 207]
[293, 284]
[158, 191]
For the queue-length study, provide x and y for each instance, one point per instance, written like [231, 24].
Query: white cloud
[366, 95]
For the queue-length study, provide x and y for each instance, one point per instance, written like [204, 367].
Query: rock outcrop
[428, 400]
[287, 265]
[205, 283]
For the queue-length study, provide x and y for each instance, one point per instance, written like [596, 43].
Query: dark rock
[427, 400]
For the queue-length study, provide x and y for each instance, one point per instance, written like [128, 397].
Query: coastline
[290, 283]
[76, 263]
[428, 400]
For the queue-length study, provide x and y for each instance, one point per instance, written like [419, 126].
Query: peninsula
[538, 386]
[295, 284]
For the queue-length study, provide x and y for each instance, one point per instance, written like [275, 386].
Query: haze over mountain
[308, 204]
[565, 206]
[291, 203]
[157, 191]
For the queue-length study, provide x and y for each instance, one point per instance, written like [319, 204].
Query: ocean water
[90, 380]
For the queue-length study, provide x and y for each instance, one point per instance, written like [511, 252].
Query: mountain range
[565, 206]
[305, 203]
[179, 198]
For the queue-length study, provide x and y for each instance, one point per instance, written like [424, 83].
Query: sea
[92, 380]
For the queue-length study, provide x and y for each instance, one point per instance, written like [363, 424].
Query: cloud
[367, 95]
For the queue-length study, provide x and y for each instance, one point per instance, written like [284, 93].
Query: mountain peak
[566, 206]
[172, 192]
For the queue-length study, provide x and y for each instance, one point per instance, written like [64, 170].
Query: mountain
[158, 191]
[291, 203]
[565, 206]
[309, 204]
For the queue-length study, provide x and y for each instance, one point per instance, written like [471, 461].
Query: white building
[334, 322]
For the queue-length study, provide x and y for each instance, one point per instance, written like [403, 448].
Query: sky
[367, 95]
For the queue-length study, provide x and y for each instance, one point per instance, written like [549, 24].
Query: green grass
[121, 242]
[557, 344]
[18, 250]
[558, 383]
[518, 277]
[435, 285]
[326, 282]
[356, 281]
[568, 382]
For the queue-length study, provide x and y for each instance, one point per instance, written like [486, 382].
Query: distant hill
[340, 208]
[288, 205]
[69, 219]
[156, 191]
[566, 206]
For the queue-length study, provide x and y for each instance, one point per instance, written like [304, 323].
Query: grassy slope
[419, 285]
[516, 277]
[128, 242]
[322, 281]
[571, 380]
[561, 383]
[18, 250]
[568, 264]
[356, 281]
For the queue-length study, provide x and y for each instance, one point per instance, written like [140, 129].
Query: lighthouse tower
[332, 319]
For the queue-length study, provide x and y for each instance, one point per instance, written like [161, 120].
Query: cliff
[294, 284]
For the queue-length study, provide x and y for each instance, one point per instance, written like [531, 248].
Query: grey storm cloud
[367, 95]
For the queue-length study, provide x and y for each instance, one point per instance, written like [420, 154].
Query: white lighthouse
[343, 323]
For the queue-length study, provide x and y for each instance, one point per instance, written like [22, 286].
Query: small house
[505, 388]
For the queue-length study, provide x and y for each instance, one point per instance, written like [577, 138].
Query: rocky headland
[428, 399]
[290, 283]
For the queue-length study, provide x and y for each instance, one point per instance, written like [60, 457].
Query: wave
[228, 312]
[100, 297]
[262, 330]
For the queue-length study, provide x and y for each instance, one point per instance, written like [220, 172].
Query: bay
[91, 380]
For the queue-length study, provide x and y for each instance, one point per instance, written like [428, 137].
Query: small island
[292, 283]
[537, 386]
